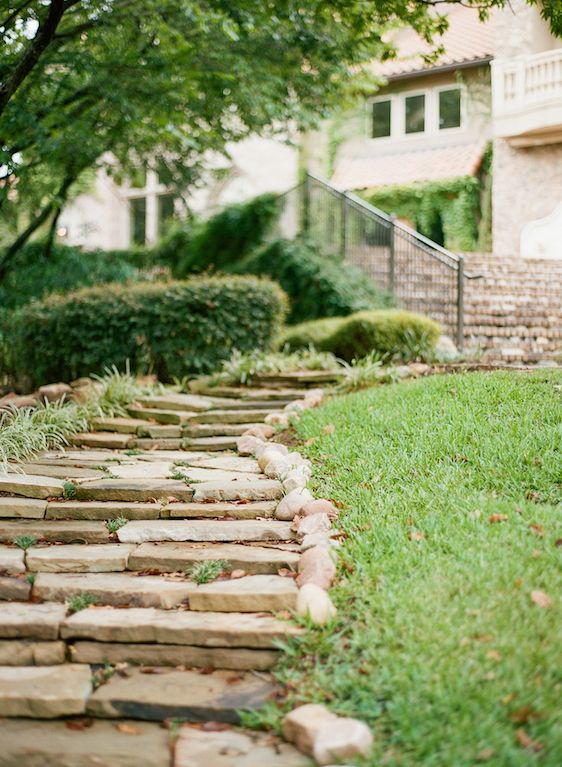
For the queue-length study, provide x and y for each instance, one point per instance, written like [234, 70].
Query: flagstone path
[115, 522]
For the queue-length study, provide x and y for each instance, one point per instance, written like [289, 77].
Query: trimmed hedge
[393, 333]
[318, 285]
[32, 275]
[171, 329]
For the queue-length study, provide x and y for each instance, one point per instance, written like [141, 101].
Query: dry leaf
[523, 715]
[215, 726]
[493, 518]
[493, 655]
[237, 574]
[537, 529]
[78, 724]
[127, 729]
[417, 535]
[525, 741]
[329, 428]
[485, 755]
[541, 599]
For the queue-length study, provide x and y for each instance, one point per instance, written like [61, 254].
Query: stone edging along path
[117, 518]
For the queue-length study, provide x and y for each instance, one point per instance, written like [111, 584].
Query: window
[137, 207]
[165, 212]
[381, 119]
[450, 108]
[138, 178]
[414, 114]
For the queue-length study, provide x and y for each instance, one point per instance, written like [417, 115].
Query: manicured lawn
[451, 495]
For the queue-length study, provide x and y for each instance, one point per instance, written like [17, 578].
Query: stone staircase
[104, 634]
[514, 311]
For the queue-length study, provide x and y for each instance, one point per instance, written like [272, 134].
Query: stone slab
[171, 655]
[250, 393]
[201, 474]
[102, 510]
[138, 531]
[26, 620]
[60, 471]
[118, 589]
[144, 470]
[12, 560]
[180, 695]
[28, 743]
[170, 557]
[240, 416]
[31, 486]
[44, 692]
[52, 531]
[22, 508]
[14, 588]
[170, 455]
[26, 652]
[252, 510]
[202, 629]
[157, 444]
[213, 444]
[82, 457]
[109, 439]
[159, 431]
[133, 490]
[174, 401]
[227, 463]
[161, 415]
[234, 748]
[248, 490]
[77, 558]
[254, 593]
[119, 425]
[217, 429]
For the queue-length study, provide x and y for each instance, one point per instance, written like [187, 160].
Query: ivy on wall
[452, 212]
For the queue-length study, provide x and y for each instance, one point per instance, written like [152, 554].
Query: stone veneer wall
[527, 186]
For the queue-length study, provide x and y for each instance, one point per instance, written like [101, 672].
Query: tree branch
[42, 39]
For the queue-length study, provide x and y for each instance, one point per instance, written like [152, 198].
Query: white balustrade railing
[530, 79]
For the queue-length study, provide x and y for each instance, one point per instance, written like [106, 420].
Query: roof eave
[455, 66]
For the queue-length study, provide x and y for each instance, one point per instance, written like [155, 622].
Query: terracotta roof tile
[407, 167]
[466, 40]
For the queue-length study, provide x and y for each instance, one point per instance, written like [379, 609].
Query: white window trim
[398, 114]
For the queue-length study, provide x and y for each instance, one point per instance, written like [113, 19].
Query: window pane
[165, 212]
[415, 114]
[450, 108]
[381, 119]
[138, 221]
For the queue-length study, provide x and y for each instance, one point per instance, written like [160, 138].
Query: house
[421, 146]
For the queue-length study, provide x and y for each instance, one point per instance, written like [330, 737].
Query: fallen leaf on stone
[78, 724]
[237, 574]
[537, 529]
[329, 428]
[172, 499]
[127, 729]
[485, 755]
[525, 741]
[494, 518]
[282, 615]
[417, 535]
[215, 726]
[541, 599]
[235, 678]
[206, 670]
[151, 670]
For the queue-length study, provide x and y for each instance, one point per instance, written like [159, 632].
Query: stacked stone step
[514, 309]
[211, 644]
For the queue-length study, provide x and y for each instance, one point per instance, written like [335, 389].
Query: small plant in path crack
[178, 474]
[69, 490]
[102, 675]
[113, 525]
[205, 572]
[25, 541]
[30, 578]
[80, 601]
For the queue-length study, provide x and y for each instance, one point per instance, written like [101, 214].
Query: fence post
[391, 264]
[306, 205]
[343, 232]
[460, 303]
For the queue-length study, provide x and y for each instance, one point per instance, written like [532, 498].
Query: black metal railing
[423, 276]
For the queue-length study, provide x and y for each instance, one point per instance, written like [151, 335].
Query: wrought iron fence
[423, 276]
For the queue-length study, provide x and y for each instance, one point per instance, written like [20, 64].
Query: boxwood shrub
[393, 333]
[318, 284]
[171, 329]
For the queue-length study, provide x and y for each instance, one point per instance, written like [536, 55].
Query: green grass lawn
[451, 497]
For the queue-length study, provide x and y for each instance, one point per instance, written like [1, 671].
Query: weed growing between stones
[178, 474]
[205, 572]
[240, 368]
[69, 490]
[80, 601]
[102, 675]
[25, 541]
[113, 525]
[30, 578]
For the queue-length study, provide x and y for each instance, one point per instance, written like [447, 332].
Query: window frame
[462, 91]
[426, 93]
[378, 100]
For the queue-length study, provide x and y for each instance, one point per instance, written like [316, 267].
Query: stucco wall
[527, 186]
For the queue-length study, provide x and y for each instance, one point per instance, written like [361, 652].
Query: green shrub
[32, 275]
[221, 240]
[392, 333]
[171, 329]
[318, 285]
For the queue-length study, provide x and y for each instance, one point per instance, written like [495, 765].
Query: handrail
[434, 247]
